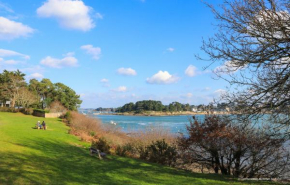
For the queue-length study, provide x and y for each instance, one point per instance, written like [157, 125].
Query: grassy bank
[30, 156]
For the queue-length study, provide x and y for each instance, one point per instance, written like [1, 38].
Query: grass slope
[30, 156]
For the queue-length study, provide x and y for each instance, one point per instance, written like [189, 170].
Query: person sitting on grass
[44, 125]
[38, 125]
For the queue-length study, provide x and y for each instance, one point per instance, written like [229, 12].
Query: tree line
[152, 105]
[35, 94]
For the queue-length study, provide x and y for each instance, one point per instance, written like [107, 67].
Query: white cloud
[94, 51]
[126, 71]
[11, 30]
[104, 80]
[191, 71]
[162, 77]
[68, 61]
[36, 76]
[170, 49]
[9, 53]
[121, 89]
[228, 67]
[71, 14]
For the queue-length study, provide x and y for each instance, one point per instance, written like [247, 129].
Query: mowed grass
[31, 156]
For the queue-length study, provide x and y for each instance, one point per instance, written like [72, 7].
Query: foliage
[66, 96]
[68, 117]
[151, 105]
[40, 111]
[102, 144]
[235, 149]
[11, 84]
[161, 152]
[36, 94]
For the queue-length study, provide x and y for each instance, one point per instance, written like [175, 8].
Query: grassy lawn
[31, 156]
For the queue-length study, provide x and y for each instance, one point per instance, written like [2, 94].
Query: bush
[7, 109]
[27, 111]
[102, 145]
[40, 111]
[126, 150]
[160, 152]
[68, 117]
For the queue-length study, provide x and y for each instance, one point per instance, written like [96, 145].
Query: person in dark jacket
[44, 125]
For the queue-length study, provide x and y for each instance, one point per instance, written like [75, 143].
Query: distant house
[194, 109]
[5, 104]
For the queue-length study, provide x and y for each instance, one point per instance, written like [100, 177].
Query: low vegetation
[31, 156]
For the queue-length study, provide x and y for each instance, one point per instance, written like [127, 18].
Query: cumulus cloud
[68, 61]
[71, 14]
[121, 89]
[126, 71]
[94, 51]
[36, 76]
[191, 71]
[170, 49]
[9, 53]
[11, 30]
[162, 77]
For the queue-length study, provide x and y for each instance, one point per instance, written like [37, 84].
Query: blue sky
[112, 52]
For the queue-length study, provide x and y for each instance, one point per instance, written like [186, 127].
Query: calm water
[133, 123]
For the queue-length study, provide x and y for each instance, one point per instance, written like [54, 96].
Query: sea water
[174, 124]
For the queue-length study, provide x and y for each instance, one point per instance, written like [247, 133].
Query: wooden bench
[96, 151]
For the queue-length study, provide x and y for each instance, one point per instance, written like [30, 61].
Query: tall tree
[66, 96]
[11, 83]
[253, 43]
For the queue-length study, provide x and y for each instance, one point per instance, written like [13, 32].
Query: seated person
[44, 125]
[38, 124]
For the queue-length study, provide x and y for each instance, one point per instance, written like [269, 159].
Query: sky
[113, 52]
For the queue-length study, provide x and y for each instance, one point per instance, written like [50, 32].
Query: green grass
[31, 156]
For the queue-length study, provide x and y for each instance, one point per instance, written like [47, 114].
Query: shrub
[27, 111]
[68, 117]
[7, 109]
[40, 111]
[127, 150]
[102, 144]
[161, 152]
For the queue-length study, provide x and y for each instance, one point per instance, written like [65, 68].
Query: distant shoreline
[153, 113]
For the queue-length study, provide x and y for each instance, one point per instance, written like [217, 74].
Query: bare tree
[253, 45]
[229, 148]
[11, 83]
[24, 98]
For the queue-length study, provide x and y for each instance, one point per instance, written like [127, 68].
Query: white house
[6, 104]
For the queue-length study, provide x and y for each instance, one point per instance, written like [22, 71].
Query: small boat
[113, 123]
